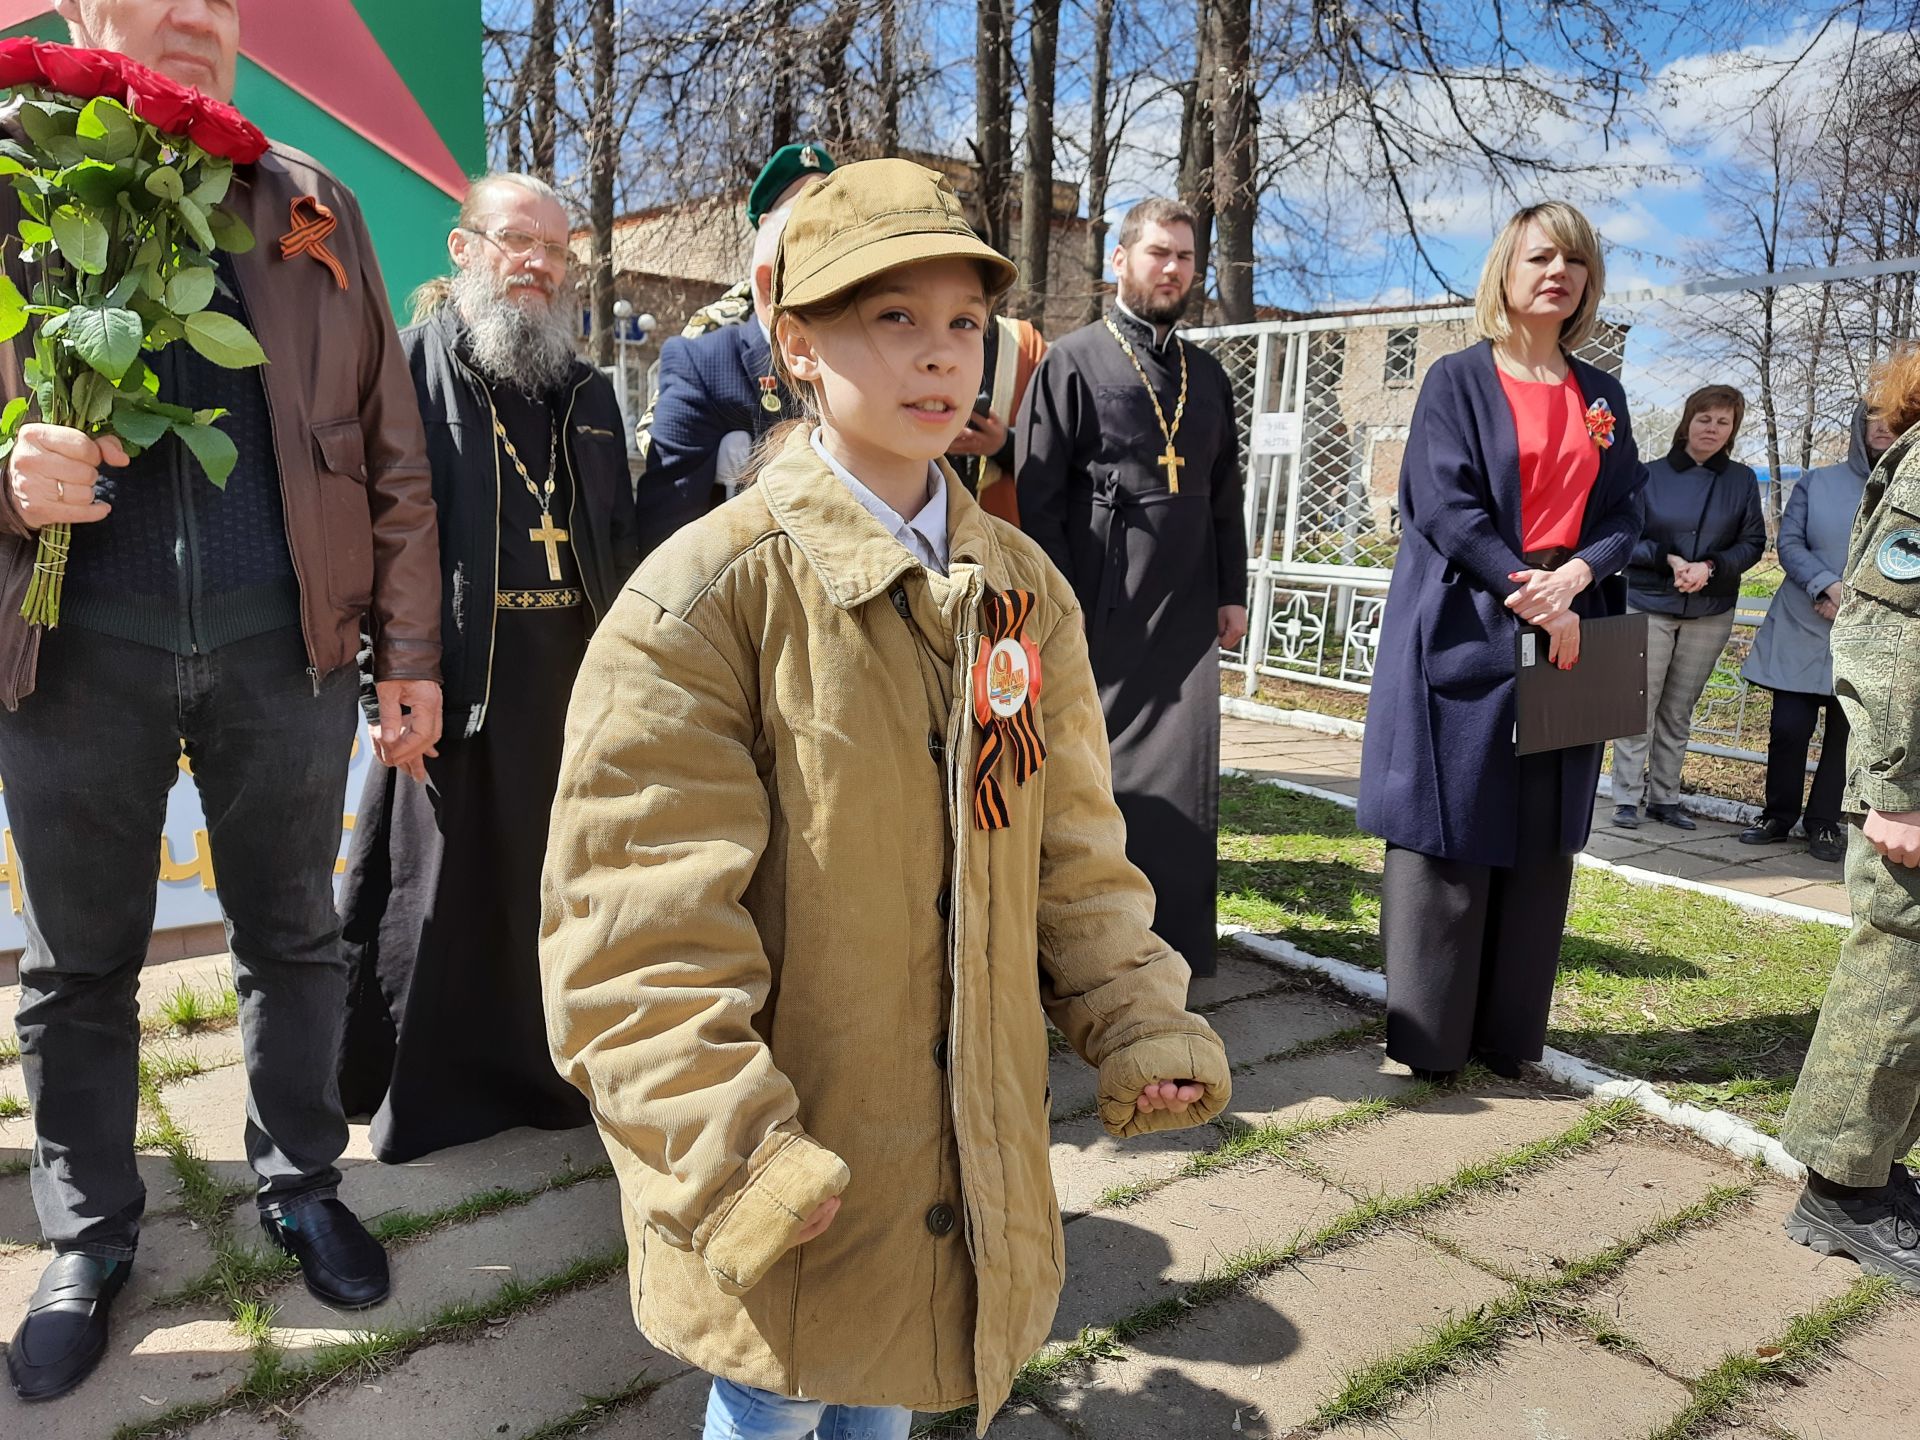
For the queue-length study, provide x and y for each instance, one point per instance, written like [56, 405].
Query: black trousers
[1795, 713]
[1471, 950]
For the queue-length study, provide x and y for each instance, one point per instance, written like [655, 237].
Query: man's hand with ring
[52, 471]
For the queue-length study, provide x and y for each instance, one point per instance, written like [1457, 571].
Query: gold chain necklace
[1170, 461]
[546, 533]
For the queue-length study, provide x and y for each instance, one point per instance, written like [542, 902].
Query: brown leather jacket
[348, 438]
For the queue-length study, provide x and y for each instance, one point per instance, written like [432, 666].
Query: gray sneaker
[1880, 1230]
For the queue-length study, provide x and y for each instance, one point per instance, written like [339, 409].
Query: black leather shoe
[1879, 1229]
[1767, 830]
[1627, 817]
[1671, 815]
[343, 1265]
[1824, 842]
[65, 1332]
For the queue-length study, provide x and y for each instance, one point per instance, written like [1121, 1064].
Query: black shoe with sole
[1825, 843]
[1627, 817]
[1878, 1229]
[1671, 815]
[1767, 830]
[65, 1332]
[343, 1265]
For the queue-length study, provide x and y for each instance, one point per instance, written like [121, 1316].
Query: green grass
[12, 1107]
[1806, 1338]
[1235, 1273]
[275, 1381]
[1714, 1002]
[1462, 1340]
[595, 1408]
[191, 1007]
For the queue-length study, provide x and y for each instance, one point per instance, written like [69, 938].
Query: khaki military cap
[870, 217]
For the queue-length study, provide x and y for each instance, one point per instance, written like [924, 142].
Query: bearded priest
[1128, 468]
[441, 904]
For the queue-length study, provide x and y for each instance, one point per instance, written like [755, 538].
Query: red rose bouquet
[119, 173]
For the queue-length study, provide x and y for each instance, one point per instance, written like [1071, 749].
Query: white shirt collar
[925, 535]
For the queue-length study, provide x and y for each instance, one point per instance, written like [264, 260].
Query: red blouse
[1559, 460]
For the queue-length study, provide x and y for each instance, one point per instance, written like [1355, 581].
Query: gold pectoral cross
[551, 536]
[1171, 463]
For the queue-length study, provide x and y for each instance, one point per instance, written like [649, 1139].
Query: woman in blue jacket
[1520, 501]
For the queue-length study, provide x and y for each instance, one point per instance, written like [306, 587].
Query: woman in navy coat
[1520, 502]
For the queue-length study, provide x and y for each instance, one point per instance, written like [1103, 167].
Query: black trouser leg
[1830, 776]
[1471, 950]
[1789, 734]
[1433, 920]
[1526, 919]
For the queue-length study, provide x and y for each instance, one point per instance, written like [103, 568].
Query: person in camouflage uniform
[785, 170]
[1856, 1108]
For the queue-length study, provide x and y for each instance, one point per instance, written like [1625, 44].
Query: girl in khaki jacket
[834, 838]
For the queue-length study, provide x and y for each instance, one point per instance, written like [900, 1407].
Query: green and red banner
[384, 93]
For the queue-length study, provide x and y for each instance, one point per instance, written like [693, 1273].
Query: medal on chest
[770, 394]
[1006, 687]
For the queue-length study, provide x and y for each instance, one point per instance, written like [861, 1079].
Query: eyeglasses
[520, 245]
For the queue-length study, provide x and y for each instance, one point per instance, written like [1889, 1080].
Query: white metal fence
[1324, 405]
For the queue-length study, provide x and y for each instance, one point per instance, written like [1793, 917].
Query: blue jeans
[740, 1412]
[88, 760]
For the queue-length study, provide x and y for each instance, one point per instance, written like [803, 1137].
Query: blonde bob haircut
[1575, 235]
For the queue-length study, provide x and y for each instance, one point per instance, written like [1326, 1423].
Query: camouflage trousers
[1856, 1108]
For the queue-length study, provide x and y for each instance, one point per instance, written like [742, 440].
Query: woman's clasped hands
[1545, 599]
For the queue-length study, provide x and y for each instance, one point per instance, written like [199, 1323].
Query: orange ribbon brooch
[1006, 683]
[312, 224]
[1600, 423]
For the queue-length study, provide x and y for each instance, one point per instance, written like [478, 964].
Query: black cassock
[1151, 569]
[446, 1041]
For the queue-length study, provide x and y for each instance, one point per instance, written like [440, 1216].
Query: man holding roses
[225, 623]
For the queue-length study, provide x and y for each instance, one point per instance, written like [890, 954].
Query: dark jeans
[1472, 950]
[87, 761]
[1788, 736]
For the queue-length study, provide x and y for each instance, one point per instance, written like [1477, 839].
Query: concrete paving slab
[507, 1380]
[1831, 898]
[1732, 1286]
[1551, 1388]
[1087, 1161]
[676, 1411]
[1265, 1361]
[1616, 845]
[1752, 880]
[1288, 1091]
[1253, 1029]
[1870, 1390]
[210, 1049]
[517, 1159]
[154, 1361]
[468, 1261]
[1121, 1260]
[1671, 860]
[209, 974]
[1579, 1206]
[1234, 975]
[1727, 849]
[1421, 1146]
[1074, 1084]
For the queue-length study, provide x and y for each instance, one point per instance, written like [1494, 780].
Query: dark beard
[530, 348]
[1162, 312]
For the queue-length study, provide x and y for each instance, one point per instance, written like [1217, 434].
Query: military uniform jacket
[1874, 673]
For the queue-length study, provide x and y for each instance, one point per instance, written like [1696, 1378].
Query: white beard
[530, 347]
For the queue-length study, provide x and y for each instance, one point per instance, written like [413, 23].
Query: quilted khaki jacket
[783, 964]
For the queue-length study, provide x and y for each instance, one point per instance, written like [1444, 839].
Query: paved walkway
[1348, 1249]
[1712, 854]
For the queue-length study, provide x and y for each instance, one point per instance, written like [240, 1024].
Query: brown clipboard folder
[1603, 697]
